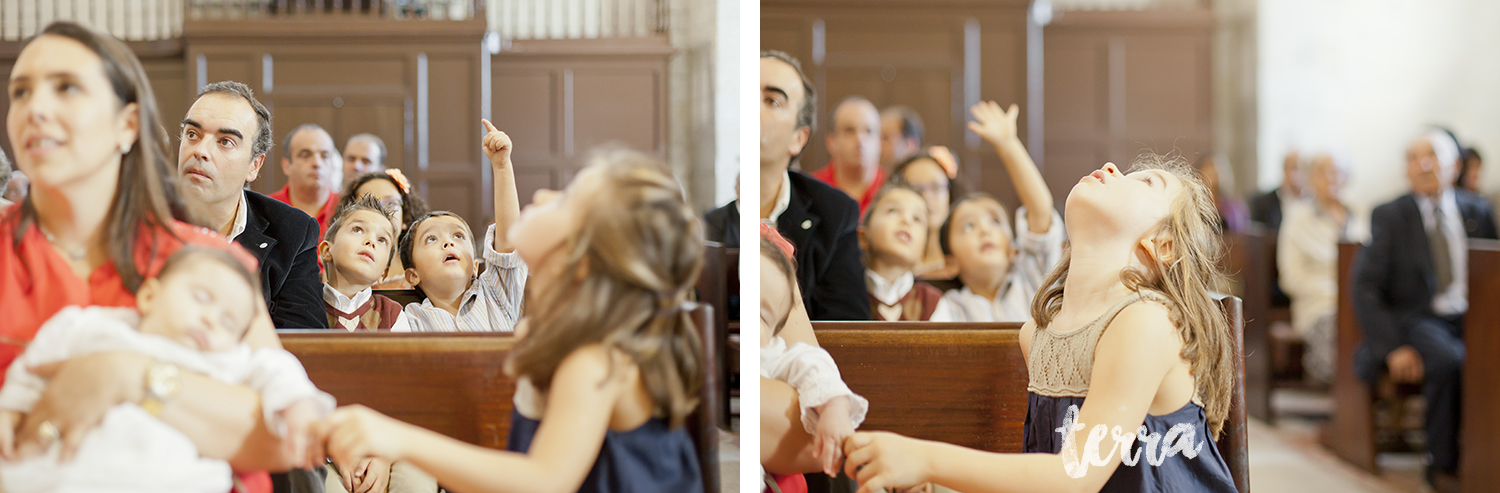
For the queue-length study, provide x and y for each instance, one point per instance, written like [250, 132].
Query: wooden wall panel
[311, 71]
[618, 106]
[454, 131]
[556, 98]
[354, 76]
[938, 57]
[527, 104]
[169, 83]
[559, 99]
[239, 67]
[1123, 83]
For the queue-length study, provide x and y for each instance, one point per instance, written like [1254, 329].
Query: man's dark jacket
[822, 223]
[1393, 275]
[285, 241]
[1266, 209]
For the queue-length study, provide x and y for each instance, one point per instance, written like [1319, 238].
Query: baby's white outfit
[813, 373]
[131, 450]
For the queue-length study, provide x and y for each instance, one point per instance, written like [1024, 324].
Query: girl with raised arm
[1129, 356]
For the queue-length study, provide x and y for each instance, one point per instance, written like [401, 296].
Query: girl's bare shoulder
[599, 363]
[1147, 321]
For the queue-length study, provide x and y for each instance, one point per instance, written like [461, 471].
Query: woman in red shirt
[102, 215]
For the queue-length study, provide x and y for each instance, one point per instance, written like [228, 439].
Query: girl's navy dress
[651, 458]
[1060, 363]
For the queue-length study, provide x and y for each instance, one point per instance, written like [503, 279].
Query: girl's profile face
[388, 196]
[977, 236]
[928, 178]
[1129, 205]
[550, 219]
[65, 123]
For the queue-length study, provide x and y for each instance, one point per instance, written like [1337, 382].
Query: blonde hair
[1185, 276]
[625, 276]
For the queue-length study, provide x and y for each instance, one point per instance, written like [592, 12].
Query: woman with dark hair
[1468, 170]
[392, 190]
[103, 215]
[1234, 214]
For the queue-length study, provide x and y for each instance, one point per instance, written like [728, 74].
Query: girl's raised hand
[994, 124]
[357, 432]
[881, 461]
[496, 144]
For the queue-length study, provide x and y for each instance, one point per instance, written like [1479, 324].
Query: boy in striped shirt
[438, 253]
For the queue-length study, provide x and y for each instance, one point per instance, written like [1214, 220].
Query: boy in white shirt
[1001, 271]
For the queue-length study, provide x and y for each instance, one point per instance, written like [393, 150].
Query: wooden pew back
[450, 383]
[455, 383]
[1479, 467]
[1349, 433]
[719, 287]
[965, 383]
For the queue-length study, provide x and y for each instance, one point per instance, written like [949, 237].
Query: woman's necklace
[77, 255]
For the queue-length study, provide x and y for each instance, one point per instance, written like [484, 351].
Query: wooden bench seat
[965, 383]
[455, 383]
[1350, 433]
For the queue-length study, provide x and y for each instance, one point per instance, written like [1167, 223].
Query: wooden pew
[455, 383]
[965, 383]
[719, 287]
[1254, 272]
[402, 296]
[1479, 454]
[1350, 432]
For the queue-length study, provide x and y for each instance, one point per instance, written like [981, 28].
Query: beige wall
[1344, 74]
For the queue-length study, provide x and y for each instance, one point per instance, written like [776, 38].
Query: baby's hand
[9, 420]
[356, 432]
[833, 427]
[299, 444]
[497, 145]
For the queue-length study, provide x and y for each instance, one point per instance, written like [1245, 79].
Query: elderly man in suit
[819, 220]
[1411, 290]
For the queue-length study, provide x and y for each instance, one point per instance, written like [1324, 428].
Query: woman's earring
[124, 148]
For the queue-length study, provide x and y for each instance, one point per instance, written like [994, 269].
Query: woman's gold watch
[163, 381]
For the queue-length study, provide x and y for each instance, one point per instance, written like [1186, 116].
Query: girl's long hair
[623, 279]
[1185, 276]
[146, 196]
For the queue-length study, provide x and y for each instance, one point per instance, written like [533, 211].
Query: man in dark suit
[225, 137]
[224, 140]
[1411, 290]
[1266, 208]
[820, 221]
